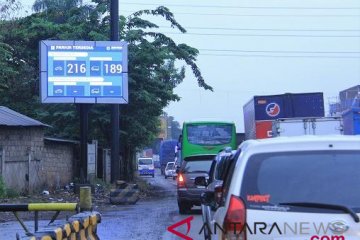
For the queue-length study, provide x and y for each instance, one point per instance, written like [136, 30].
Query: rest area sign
[84, 72]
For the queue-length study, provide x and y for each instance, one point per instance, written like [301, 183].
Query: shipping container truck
[260, 111]
[167, 153]
[348, 98]
[307, 126]
[351, 119]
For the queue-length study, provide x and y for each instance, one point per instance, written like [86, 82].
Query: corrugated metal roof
[11, 118]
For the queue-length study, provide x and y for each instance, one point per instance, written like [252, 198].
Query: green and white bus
[206, 137]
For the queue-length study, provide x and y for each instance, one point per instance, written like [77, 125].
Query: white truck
[307, 126]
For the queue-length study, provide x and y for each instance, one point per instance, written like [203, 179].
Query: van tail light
[235, 220]
[218, 194]
[181, 181]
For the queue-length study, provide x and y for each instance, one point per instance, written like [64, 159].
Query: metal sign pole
[84, 111]
[115, 112]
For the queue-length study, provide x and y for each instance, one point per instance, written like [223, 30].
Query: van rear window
[330, 177]
[144, 161]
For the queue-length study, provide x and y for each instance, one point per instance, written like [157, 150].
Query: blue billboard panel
[83, 72]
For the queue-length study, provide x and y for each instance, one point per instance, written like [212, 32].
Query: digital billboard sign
[83, 72]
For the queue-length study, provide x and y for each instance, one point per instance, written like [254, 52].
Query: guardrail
[81, 226]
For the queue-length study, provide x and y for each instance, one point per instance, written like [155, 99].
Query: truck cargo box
[347, 97]
[167, 152]
[307, 126]
[261, 109]
[351, 120]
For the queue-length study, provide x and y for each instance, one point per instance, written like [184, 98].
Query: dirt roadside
[100, 200]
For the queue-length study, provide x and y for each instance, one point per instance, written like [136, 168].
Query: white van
[146, 166]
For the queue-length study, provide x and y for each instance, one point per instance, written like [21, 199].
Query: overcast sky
[264, 47]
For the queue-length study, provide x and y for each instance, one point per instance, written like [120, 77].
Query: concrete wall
[58, 161]
[30, 164]
[15, 145]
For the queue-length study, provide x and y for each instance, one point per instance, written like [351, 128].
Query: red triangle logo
[186, 221]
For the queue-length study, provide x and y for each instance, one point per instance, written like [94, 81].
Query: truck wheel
[184, 208]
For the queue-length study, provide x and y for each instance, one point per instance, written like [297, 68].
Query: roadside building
[28, 160]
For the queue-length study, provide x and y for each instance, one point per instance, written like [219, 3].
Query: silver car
[170, 170]
[188, 193]
[213, 192]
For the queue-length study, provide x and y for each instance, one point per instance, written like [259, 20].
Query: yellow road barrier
[82, 226]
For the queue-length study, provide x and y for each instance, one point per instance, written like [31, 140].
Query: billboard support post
[84, 119]
[115, 111]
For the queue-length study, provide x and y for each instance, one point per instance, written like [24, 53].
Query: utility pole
[115, 112]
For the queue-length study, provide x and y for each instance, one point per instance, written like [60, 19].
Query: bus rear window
[209, 134]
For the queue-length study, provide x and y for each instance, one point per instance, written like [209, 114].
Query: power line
[264, 35]
[259, 15]
[268, 29]
[279, 51]
[278, 56]
[239, 7]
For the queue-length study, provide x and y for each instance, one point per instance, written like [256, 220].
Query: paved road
[146, 220]
[150, 219]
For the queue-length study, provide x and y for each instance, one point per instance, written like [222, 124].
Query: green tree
[175, 128]
[8, 9]
[55, 5]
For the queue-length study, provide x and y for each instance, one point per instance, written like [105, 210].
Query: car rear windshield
[209, 134]
[144, 161]
[197, 166]
[170, 165]
[331, 177]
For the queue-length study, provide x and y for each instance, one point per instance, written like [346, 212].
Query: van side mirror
[207, 198]
[219, 195]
